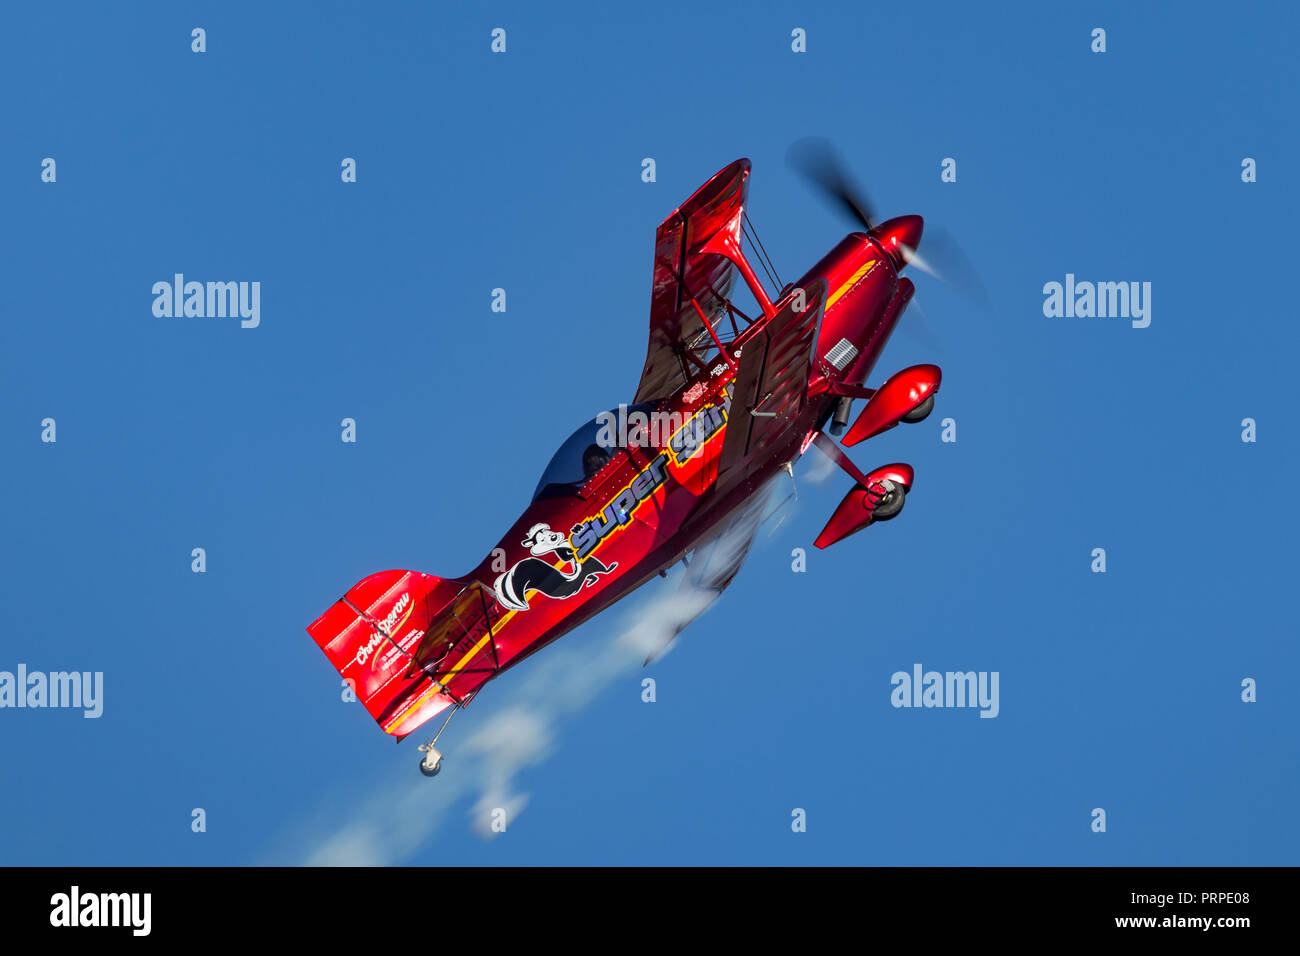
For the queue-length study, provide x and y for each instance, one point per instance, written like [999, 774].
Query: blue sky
[475, 171]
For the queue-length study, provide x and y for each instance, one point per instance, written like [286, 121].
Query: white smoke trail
[821, 467]
[405, 810]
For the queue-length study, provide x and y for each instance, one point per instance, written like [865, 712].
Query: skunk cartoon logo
[536, 573]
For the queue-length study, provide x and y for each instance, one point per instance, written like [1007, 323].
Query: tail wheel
[430, 771]
[921, 412]
[432, 762]
[892, 502]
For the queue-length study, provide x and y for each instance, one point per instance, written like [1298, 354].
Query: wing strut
[726, 242]
[716, 341]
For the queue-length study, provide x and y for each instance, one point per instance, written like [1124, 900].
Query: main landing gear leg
[431, 763]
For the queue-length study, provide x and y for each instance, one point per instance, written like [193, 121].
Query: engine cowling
[855, 511]
[902, 394]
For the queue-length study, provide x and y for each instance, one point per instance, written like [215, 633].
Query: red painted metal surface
[412, 644]
[682, 272]
[726, 242]
[899, 237]
[855, 510]
[901, 394]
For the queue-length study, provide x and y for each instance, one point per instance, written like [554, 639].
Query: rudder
[370, 635]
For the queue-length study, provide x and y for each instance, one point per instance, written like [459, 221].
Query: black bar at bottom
[400, 906]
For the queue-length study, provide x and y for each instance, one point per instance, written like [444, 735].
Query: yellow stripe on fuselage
[444, 677]
[672, 467]
[853, 280]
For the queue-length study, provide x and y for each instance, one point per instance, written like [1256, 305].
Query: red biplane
[725, 402]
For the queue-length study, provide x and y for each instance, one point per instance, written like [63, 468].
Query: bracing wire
[756, 241]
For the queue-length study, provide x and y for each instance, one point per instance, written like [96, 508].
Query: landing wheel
[432, 762]
[891, 504]
[921, 412]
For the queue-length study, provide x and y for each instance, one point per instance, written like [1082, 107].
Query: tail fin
[371, 636]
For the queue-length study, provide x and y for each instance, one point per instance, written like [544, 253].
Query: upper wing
[771, 386]
[681, 271]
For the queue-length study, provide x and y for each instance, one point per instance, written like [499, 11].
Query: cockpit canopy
[583, 454]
